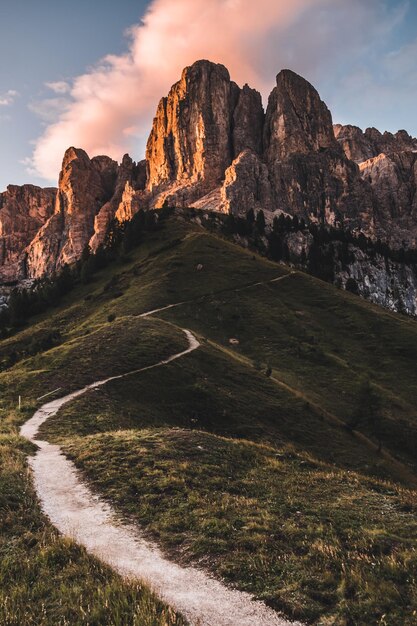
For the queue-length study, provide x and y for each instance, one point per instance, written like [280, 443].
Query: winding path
[91, 522]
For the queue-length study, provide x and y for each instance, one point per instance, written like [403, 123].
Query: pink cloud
[111, 106]
[109, 109]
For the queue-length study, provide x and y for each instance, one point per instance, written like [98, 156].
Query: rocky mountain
[309, 172]
[360, 146]
[43, 229]
[199, 129]
[213, 147]
[388, 163]
[23, 211]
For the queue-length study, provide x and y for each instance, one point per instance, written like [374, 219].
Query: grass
[256, 483]
[220, 396]
[107, 350]
[315, 542]
[47, 580]
[323, 343]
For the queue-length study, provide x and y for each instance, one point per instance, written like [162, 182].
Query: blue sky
[362, 57]
[43, 41]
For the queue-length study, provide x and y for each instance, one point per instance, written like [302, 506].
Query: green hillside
[279, 455]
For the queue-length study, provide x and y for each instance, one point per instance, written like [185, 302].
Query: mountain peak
[72, 154]
[297, 120]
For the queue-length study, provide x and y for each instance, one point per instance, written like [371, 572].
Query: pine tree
[250, 218]
[275, 246]
[260, 222]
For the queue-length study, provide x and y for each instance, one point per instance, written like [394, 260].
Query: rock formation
[85, 185]
[130, 180]
[197, 132]
[23, 211]
[393, 178]
[310, 175]
[361, 146]
[248, 122]
[246, 185]
[297, 120]
[388, 283]
[212, 147]
[89, 194]
[387, 163]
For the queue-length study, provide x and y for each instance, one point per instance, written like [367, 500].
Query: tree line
[120, 239]
[328, 244]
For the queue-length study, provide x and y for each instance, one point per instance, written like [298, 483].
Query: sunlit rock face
[84, 186]
[125, 199]
[199, 128]
[246, 185]
[23, 211]
[89, 194]
[190, 138]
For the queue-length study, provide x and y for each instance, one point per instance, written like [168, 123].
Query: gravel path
[91, 522]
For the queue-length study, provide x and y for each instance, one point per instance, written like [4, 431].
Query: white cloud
[59, 87]
[49, 110]
[7, 98]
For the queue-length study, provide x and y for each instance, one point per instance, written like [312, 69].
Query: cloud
[50, 110]
[109, 109]
[7, 98]
[59, 87]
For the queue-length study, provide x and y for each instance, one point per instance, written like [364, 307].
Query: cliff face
[84, 186]
[387, 163]
[212, 147]
[297, 120]
[23, 211]
[89, 194]
[310, 174]
[189, 141]
[197, 132]
[246, 185]
[361, 146]
[389, 284]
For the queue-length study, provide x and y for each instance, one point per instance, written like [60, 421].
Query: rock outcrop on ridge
[23, 211]
[89, 194]
[388, 163]
[361, 146]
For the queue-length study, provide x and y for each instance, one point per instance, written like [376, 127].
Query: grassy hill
[237, 456]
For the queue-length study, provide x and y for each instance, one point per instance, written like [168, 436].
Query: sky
[90, 73]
